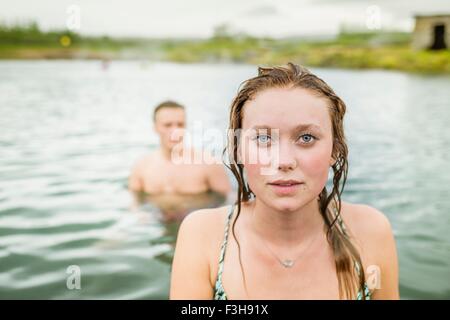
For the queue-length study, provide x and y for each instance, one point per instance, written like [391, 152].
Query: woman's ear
[239, 156]
[240, 159]
[332, 161]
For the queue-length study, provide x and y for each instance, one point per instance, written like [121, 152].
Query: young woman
[286, 237]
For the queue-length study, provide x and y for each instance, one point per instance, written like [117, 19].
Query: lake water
[70, 131]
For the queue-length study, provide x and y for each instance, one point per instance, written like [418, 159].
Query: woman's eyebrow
[308, 126]
[300, 127]
[257, 127]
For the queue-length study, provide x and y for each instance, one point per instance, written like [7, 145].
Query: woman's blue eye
[263, 138]
[308, 137]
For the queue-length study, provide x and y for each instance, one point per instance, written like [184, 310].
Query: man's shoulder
[145, 160]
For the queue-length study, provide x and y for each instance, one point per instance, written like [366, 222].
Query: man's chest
[175, 178]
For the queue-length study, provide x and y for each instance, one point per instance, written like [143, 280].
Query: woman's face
[286, 146]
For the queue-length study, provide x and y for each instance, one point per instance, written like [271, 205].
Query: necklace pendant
[287, 263]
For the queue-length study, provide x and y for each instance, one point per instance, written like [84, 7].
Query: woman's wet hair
[346, 256]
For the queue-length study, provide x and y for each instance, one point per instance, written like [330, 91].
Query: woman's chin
[287, 205]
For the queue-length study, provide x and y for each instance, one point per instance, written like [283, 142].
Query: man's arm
[134, 181]
[135, 185]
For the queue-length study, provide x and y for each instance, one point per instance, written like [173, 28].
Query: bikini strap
[224, 243]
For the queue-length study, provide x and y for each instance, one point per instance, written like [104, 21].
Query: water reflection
[168, 211]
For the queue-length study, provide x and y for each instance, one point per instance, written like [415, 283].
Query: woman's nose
[286, 157]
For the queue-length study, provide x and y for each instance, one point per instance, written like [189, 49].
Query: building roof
[442, 15]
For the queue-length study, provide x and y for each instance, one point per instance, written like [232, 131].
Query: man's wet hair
[166, 104]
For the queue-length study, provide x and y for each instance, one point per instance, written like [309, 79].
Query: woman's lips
[285, 188]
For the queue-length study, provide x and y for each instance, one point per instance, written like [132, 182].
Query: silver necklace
[287, 263]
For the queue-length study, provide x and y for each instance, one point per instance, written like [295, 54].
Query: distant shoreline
[402, 59]
[349, 50]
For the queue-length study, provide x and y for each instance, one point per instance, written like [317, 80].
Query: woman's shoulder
[205, 225]
[365, 220]
[370, 229]
[204, 231]
[373, 234]
[207, 219]
[197, 239]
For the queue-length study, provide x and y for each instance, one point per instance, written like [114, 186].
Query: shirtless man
[167, 182]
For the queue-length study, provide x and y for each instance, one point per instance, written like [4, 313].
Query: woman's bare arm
[190, 268]
[385, 248]
[374, 234]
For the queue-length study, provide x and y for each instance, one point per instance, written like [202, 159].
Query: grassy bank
[361, 51]
[380, 50]
[29, 42]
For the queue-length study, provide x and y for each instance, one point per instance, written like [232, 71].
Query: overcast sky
[198, 18]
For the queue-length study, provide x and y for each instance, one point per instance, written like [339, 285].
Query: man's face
[170, 124]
